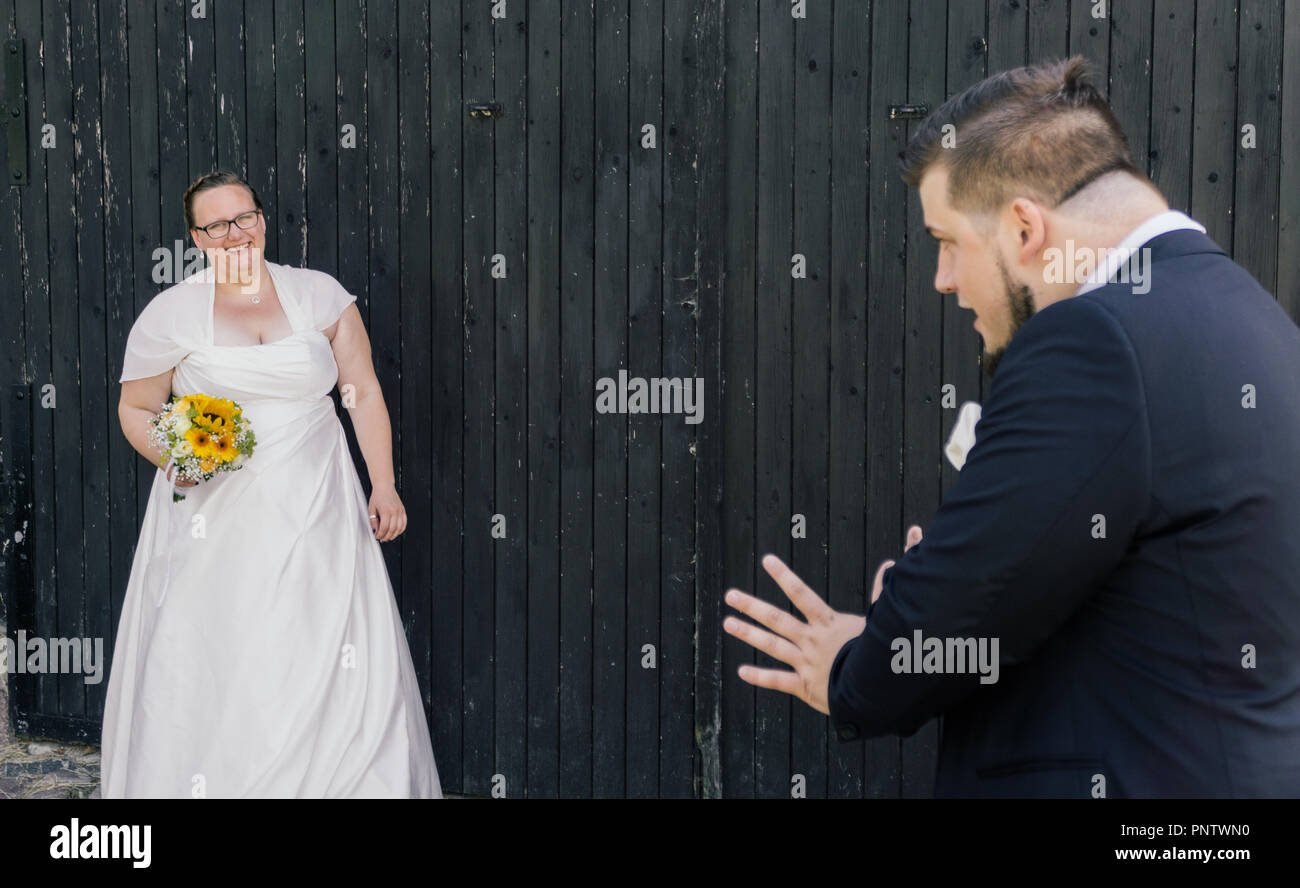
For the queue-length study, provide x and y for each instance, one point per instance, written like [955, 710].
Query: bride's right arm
[140, 402]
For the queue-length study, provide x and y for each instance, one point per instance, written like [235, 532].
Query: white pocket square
[962, 437]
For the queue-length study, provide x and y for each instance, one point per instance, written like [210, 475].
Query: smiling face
[971, 266]
[242, 248]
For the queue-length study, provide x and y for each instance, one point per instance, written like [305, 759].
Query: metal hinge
[13, 111]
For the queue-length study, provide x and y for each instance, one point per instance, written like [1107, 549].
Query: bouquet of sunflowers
[203, 436]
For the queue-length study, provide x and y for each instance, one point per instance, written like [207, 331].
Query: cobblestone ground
[37, 769]
[45, 770]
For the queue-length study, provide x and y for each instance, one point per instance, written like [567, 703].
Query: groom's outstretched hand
[809, 647]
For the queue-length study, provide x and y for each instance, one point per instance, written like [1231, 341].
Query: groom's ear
[1028, 229]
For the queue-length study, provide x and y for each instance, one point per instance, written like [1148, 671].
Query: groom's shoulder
[1075, 333]
[1071, 357]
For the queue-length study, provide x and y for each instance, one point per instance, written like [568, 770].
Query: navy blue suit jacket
[1125, 658]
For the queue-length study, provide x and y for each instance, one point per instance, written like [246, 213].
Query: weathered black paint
[822, 394]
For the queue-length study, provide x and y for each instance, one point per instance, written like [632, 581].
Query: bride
[260, 652]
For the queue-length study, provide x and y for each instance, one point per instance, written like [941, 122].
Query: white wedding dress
[260, 652]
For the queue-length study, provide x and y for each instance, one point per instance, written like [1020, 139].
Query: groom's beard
[1020, 308]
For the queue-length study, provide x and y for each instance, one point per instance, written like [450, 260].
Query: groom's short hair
[1041, 131]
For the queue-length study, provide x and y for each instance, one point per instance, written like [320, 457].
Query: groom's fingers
[776, 679]
[781, 622]
[767, 642]
[804, 598]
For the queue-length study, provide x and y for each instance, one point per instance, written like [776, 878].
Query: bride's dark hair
[214, 179]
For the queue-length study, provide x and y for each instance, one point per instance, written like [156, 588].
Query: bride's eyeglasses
[219, 228]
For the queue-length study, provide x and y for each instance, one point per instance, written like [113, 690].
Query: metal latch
[908, 112]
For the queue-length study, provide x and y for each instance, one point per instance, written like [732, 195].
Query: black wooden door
[684, 189]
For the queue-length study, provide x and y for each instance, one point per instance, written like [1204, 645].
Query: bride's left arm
[364, 399]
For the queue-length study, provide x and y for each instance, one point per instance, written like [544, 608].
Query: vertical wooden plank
[510, 66]
[847, 577]
[173, 129]
[679, 277]
[15, 523]
[680, 315]
[610, 492]
[1049, 30]
[1090, 25]
[231, 81]
[411, 347]
[1173, 41]
[118, 284]
[88, 581]
[412, 304]
[384, 308]
[773, 383]
[739, 360]
[711, 213]
[1214, 130]
[1256, 178]
[353, 185]
[475, 28]
[1008, 22]
[644, 256]
[15, 397]
[353, 188]
[810, 333]
[1130, 75]
[577, 387]
[398, 270]
[968, 51]
[263, 170]
[58, 602]
[544, 318]
[887, 244]
[322, 141]
[291, 135]
[1288, 232]
[923, 358]
[446, 641]
[146, 236]
[201, 94]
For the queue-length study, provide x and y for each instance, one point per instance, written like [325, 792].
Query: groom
[1124, 537]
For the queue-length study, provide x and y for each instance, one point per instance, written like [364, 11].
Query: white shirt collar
[1160, 223]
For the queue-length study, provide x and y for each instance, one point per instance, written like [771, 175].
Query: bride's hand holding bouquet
[201, 437]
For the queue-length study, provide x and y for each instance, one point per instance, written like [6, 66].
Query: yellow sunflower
[223, 447]
[223, 408]
[201, 441]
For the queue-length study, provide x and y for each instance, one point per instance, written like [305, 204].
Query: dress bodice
[300, 367]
